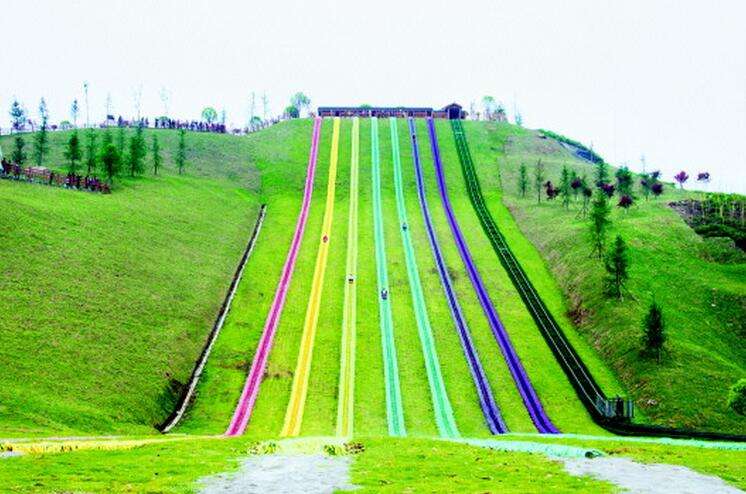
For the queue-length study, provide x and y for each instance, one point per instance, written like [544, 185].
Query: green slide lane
[394, 410]
[442, 406]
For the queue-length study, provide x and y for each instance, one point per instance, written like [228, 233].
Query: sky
[661, 79]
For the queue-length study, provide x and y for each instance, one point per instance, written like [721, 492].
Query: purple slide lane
[489, 408]
[251, 388]
[530, 399]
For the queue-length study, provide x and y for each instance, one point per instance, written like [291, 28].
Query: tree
[265, 106]
[110, 160]
[209, 114]
[600, 211]
[681, 177]
[300, 101]
[737, 397]
[73, 153]
[91, 155]
[292, 112]
[17, 116]
[41, 138]
[181, 152]
[602, 173]
[121, 144]
[157, 159]
[488, 102]
[523, 180]
[74, 111]
[539, 179]
[646, 184]
[565, 186]
[617, 267]
[165, 96]
[137, 152]
[18, 156]
[624, 181]
[654, 331]
[626, 202]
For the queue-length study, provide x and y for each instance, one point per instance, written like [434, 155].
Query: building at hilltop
[453, 111]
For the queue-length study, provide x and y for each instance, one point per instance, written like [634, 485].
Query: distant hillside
[704, 302]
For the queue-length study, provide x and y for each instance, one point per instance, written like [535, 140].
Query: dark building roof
[377, 108]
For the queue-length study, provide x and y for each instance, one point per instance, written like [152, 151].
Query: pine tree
[17, 116]
[137, 152]
[654, 335]
[600, 211]
[73, 153]
[157, 159]
[539, 179]
[110, 160]
[602, 173]
[564, 186]
[181, 152]
[91, 155]
[41, 138]
[121, 143]
[624, 182]
[523, 180]
[18, 156]
[617, 266]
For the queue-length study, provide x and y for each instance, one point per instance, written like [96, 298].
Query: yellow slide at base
[346, 398]
[294, 413]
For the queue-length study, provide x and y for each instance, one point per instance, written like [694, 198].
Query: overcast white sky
[666, 79]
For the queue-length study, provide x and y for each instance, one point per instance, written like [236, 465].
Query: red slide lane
[251, 388]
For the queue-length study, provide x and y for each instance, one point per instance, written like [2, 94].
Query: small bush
[737, 397]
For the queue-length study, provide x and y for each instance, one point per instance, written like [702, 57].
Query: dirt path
[281, 474]
[648, 479]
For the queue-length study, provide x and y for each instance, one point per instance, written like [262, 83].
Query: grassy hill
[704, 302]
[113, 296]
[107, 299]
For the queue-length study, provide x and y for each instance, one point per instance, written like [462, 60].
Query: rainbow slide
[441, 404]
[246, 402]
[346, 398]
[491, 412]
[294, 413]
[394, 408]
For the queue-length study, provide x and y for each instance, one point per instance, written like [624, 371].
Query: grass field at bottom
[385, 465]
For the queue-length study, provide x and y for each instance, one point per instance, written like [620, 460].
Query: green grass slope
[107, 300]
[704, 302]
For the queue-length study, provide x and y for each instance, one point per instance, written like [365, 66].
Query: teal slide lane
[442, 406]
[394, 410]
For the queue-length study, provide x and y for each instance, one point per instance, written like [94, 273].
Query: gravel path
[283, 474]
[648, 479]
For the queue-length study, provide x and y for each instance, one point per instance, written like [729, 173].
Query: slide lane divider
[441, 404]
[346, 399]
[394, 409]
[490, 409]
[530, 399]
[250, 391]
[294, 413]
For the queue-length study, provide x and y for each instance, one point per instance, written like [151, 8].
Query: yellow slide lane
[294, 413]
[346, 398]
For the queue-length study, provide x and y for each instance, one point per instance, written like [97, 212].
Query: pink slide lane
[251, 388]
